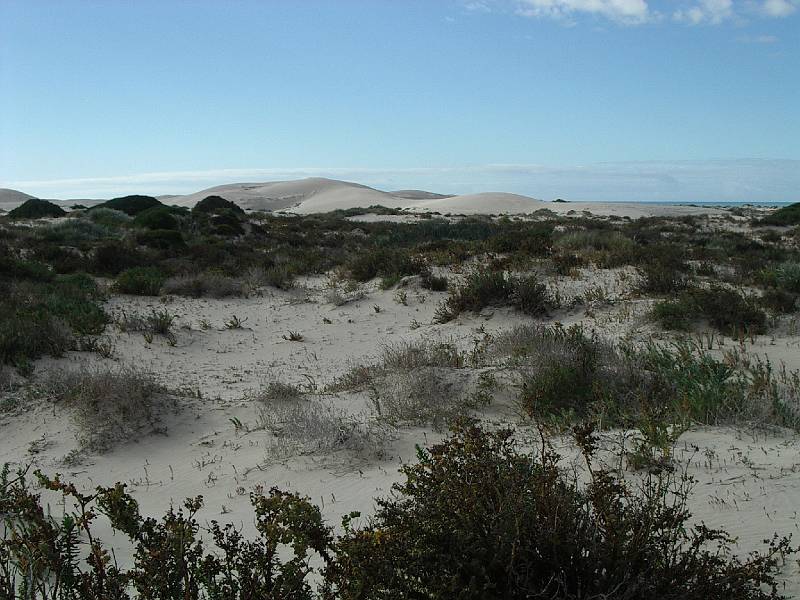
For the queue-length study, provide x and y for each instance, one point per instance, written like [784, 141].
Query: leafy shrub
[130, 205]
[787, 276]
[663, 270]
[36, 209]
[140, 281]
[434, 282]
[475, 518]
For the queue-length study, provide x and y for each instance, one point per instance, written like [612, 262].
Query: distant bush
[724, 308]
[156, 218]
[108, 217]
[779, 301]
[36, 209]
[162, 239]
[73, 232]
[211, 204]
[209, 283]
[383, 262]
[787, 215]
[113, 257]
[131, 205]
[140, 281]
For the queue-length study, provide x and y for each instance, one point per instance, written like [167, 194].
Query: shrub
[787, 276]
[140, 281]
[475, 518]
[779, 301]
[434, 282]
[383, 262]
[130, 205]
[73, 232]
[483, 288]
[724, 308]
[36, 209]
[663, 270]
[156, 218]
[113, 257]
[787, 215]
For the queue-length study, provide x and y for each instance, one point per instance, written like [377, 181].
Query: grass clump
[140, 281]
[108, 407]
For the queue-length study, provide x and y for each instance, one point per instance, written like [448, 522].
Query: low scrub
[36, 209]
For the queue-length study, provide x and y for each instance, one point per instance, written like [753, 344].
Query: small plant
[293, 336]
[235, 322]
[401, 297]
[376, 308]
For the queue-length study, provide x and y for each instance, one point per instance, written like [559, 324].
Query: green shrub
[140, 281]
[210, 283]
[73, 232]
[787, 276]
[663, 270]
[36, 209]
[779, 301]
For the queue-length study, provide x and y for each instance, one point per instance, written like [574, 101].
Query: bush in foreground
[474, 518]
[140, 281]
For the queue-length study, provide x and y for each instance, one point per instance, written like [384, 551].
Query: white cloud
[758, 39]
[706, 11]
[629, 12]
[778, 8]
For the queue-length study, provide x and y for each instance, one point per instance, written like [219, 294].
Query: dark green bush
[162, 239]
[476, 518]
[113, 257]
[140, 281]
[36, 209]
[130, 205]
[779, 301]
[211, 204]
[383, 262]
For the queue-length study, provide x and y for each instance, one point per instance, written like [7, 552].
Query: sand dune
[489, 202]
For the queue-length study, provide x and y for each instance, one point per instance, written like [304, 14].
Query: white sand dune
[315, 194]
[486, 203]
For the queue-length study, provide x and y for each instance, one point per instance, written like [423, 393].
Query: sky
[652, 100]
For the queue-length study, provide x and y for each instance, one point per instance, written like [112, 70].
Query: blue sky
[580, 99]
